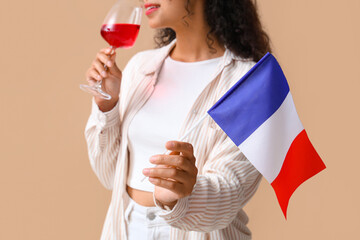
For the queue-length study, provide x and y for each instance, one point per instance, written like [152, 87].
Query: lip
[153, 8]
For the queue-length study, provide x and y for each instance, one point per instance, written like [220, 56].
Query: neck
[192, 42]
[193, 48]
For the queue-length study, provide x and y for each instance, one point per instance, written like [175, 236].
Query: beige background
[48, 190]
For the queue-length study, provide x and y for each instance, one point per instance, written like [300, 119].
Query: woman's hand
[174, 176]
[111, 78]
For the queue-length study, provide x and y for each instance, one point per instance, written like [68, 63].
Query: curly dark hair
[234, 23]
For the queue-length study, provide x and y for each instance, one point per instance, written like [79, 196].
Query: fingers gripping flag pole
[185, 136]
[259, 115]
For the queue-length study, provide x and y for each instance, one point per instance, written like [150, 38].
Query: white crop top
[162, 116]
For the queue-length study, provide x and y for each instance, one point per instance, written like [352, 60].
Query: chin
[152, 25]
[155, 25]
[157, 22]
[151, 22]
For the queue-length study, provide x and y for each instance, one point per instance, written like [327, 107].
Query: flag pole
[186, 134]
[195, 126]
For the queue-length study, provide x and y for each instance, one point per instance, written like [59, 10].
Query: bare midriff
[141, 197]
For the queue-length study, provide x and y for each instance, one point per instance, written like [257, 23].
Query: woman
[199, 189]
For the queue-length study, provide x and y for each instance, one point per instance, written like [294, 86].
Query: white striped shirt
[226, 179]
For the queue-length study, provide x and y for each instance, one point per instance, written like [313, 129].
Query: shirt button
[151, 216]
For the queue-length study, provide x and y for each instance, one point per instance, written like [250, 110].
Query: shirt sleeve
[103, 131]
[102, 134]
[227, 183]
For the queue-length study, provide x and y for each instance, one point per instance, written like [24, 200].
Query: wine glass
[120, 29]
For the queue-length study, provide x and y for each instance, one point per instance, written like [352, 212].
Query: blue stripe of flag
[252, 100]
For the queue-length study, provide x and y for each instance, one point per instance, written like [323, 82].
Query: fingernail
[109, 63]
[146, 171]
[98, 77]
[108, 50]
[103, 73]
[112, 51]
[153, 159]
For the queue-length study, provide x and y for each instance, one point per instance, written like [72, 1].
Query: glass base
[95, 90]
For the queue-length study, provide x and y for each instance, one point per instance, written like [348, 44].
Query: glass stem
[98, 85]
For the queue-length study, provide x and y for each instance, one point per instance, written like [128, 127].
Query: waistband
[149, 214]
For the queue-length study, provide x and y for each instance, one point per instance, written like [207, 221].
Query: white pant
[143, 223]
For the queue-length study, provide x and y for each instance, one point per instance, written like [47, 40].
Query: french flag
[259, 115]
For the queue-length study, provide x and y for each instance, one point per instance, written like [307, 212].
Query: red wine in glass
[120, 34]
[120, 29]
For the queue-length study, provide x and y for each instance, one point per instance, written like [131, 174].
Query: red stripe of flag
[301, 163]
